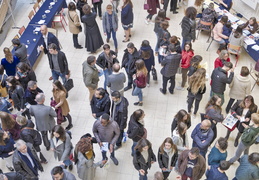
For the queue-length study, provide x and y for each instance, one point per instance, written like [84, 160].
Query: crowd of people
[21, 141]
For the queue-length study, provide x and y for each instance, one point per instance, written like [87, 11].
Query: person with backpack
[248, 138]
[30, 135]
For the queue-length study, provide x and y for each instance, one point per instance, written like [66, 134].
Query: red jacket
[186, 59]
[219, 63]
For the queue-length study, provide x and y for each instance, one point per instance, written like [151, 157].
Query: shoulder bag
[3, 90]
[146, 6]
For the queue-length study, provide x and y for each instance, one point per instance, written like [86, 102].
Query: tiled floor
[159, 109]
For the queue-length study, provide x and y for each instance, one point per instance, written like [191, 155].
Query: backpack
[37, 140]
[248, 137]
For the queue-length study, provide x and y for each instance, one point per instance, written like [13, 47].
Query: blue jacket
[227, 31]
[127, 15]
[198, 136]
[216, 156]
[228, 3]
[214, 174]
[246, 170]
[8, 147]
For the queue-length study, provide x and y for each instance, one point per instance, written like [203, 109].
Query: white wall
[240, 7]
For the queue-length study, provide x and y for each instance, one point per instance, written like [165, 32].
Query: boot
[237, 138]
[228, 133]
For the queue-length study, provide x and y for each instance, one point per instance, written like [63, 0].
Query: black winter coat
[102, 107]
[17, 95]
[62, 62]
[188, 29]
[163, 159]
[139, 161]
[121, 113]
[130, 68]
[103, 63]
[30, 76]
[135, 130]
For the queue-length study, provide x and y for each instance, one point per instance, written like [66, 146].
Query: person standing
[157, 27]
[98, 6]
[93, 38]
[165, 6]
[219, 152]
[189, 26]
[170, 65]
[217, 172]
[90, 75]
[8, 123]
[181, 116]
[48, 38]
[61, 145]
[20, 51]
[74, 24]
[180, 137]
[116, 80]
[100, 103]
[26, 161]
[196, 89]
[7, 148]
[127, 18]
[194, 65]
[58, 173]
[220, 78]
[136, 130]
[44, 118]
[191, 164]
[130, 56]
[110, 25]
[167, 156]
[143, 158]
[9, 62]
[59, 95]
[106, 132]
[202, 136]
[119, 113]
[105, 61]
[79, 6]
[140, 81]
[223, 57]
[58, 63]
[153, 5]
[163, 40]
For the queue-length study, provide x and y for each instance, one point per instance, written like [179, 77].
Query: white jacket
[178, 141]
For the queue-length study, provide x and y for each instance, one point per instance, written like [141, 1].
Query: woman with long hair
[9, 124]
[9, 62]
[194, 65]
[136, 129]
[251, 25]
[59, 94]
[16, 93]
[242, 110]
[180, 137]
[24, 74]
[214, 113]
[3, 92]
[196, 89]
[159, 18]
[74, 24]
[187, 54]
[127, 18]
[181, 116]
[147, 55]
[60, 144]
[143, 158]
[140, 81]
[153, 5]
[174, 40]
[236, 38]
[167, 156]
[163, 42]
[84, 155]
[7, 148]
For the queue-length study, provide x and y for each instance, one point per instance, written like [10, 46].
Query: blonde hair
[197, 81]
[141, 68]
[8, 55]
[255, 118]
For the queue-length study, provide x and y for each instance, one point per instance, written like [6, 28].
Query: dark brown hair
[212, 102]
[59, 86]
[71, 6]
[223, 143]
[191, 12]
[164, 25]
[180, 114]
[253, 158]
[244, 71]
[84, 145]
[252, 107]
[170, 141]
[142, 143]
[8, 122]
[59, 130]
[127, 2]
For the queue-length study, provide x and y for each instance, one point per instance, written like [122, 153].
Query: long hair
[212, 102]
[142, 143]
[8, 55]
[141, 68]
[127, 2]
[195, 61]
[145, 54]
[2, 143]
[59, 86]
[24, 67]
[181, 127]
[84, 145]
[190, 44]
[14, 82]
[59, 130]
[180, 114]
[238, 32]
[191, 12]
[197, 81]
[170, 141]
[7, 120]
[252, 107]
[160, 16]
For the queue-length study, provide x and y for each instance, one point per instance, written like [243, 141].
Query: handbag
[69, 84]
[154, 74]
[79, 27]
[146, 6]
[3, 90]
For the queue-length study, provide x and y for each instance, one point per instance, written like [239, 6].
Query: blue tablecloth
[253, 53]
[36, 40]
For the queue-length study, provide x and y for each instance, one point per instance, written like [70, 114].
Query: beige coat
[73, 26]
[240, 87]
[60, 97]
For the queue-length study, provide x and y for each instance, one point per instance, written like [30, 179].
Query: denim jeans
[113, 32]
[67, 162]
[119, 140]
[138, 92]
[130, 80]
[157, 44]
[104, 153]
[240, 148]
[141, 177]
[133, 148]
[56, 75]
[106, 73]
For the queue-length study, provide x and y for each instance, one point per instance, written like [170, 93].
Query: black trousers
[230, 102]
[75, 40]
[190, 101]
[45, 139]
[172, 80]
[119, 140]
[173, 5]
[99, 7]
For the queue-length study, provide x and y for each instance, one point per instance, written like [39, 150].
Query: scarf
[115, 108]
[101, 102]
[89, 154]
[170, 154]
[109, 60]
[28, 163]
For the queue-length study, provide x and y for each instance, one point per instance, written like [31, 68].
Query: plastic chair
[21, 30]
[31, 14]
[59, 18]
[36, 7]
[208, 24]
[233, 49]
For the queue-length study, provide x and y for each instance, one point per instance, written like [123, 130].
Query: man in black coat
[100, 103]
[131, 55]
[11, 176]
[48, 38]
[219, 80]
[119, 113]
[58, 63]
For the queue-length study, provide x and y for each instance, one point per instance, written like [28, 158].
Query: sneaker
[194, 116]
[115, 161]
[146, 21]
[148, 85]
[70, 167]
[101, 166]
[167, 18]
[175, 12]
[151, 22]
[179, 88]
